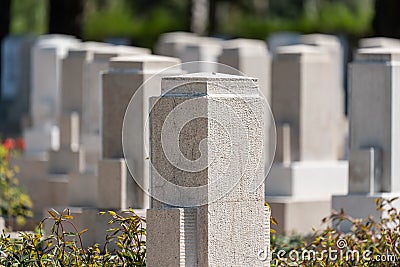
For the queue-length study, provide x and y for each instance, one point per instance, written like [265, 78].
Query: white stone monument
[114, 188]
[307, 106]
[207, 174]
[47, 55]
[91, 99]
[173, 44]
[279, 39]
[128, 76]
[374, 132]
[204, 49]
[190, 47]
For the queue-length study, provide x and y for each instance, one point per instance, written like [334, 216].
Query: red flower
[20, 143]
[9, 143]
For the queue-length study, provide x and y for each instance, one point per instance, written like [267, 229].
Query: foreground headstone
[374, 132]
[307, 105]
[207, 192]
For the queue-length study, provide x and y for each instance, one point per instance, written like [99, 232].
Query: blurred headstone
[374, 133]
[307, 106]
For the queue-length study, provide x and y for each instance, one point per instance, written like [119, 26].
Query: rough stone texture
[172, 232]
[231, 226]
[251, 58]
[374, 131]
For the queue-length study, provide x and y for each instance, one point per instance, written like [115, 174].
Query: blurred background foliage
[141, 21]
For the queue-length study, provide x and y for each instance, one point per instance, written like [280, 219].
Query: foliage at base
[14, 202]
[64, 248]
[370, 242]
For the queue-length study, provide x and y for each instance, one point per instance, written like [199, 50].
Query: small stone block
[364, 170]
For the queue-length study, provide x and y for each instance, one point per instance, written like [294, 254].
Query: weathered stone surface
[207, 153]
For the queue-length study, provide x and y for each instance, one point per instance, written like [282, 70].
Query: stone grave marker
[206, 209]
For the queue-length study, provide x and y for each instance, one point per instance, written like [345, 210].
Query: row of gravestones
[74, 156]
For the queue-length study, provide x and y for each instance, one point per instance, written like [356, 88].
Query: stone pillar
[307, 110]
[204, 49]
[47, 54]
[191, 48]
[207, 183]
[374, 131]
[173, 44]
[276, 40]
[91, 100]
[128, 79]
[250, 57]
[330, 43]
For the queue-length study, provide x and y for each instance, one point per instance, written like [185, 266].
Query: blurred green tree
[28, 16]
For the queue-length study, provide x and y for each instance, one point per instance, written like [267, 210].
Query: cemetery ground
[376, 240]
